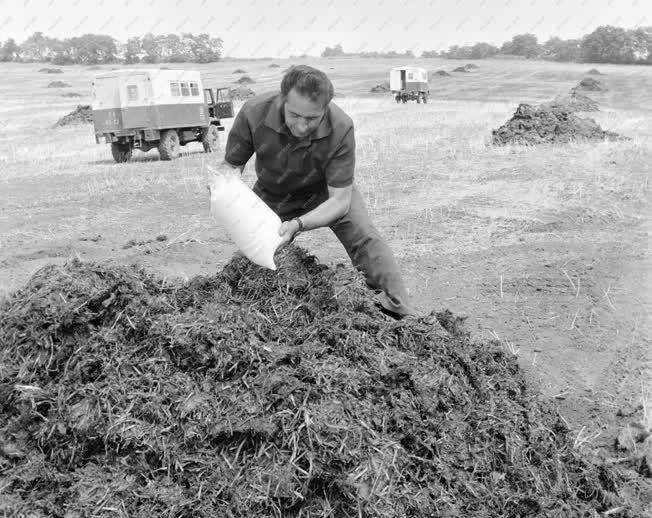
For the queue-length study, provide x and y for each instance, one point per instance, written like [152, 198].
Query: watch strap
[298, 220]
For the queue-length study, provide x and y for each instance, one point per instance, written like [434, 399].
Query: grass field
[546, 249]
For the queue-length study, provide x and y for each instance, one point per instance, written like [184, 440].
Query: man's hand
[287, 231]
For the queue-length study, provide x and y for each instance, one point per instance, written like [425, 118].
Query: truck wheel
[210, 138]
[418, 99]
[121, 152]
[398, 98]
[425, 98]
[168, 146]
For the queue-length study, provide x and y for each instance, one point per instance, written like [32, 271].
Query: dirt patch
[258, 393]
[241, 92]
[591, 84]
[83, 114]
[441, 73]
[381, 87]
[274, 65]
[58, 84]
[532, 125]
[140, 242]
[47, 70]
[594, 72]
[71, 94]
[573, 101]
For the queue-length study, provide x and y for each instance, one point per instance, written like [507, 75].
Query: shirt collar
[276, 120]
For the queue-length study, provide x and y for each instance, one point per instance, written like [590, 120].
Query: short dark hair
[309, 82]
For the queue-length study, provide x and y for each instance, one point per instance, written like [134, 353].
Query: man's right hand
[287, 231]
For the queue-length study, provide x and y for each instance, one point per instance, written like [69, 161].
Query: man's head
[306, 92]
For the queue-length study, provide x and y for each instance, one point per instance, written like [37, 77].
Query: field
[545, 249]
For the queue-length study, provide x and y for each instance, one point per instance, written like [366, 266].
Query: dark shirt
[293, 174]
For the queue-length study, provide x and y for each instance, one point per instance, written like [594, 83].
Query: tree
[561, 50]
[644, 35]
[38, 48]
[133, 49]
[604, 45]
[430, 54]
[457, 52]
[522, 45]
[151, 48]
[331, 52]
[482, 50]
[608, 44]
[9, 51]
[94, 49]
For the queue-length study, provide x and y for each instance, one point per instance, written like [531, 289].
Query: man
[305, 159]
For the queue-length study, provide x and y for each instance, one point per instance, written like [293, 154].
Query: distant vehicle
[409, 83]
[152, 108]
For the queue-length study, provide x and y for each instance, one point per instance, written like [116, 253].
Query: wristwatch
[298, 220]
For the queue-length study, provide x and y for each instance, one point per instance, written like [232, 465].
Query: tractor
[155, 108]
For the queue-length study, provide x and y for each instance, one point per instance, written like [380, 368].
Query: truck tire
[418, 98]
[425, 98]
[210, 139]
[168, 146]
[121, 152]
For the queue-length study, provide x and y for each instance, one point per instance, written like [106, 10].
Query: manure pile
[83, 114]
[381, 87]
[549, 124]
[253, 393]
[241, 93]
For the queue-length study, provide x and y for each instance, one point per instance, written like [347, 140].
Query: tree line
[606, 44]
[98, 49]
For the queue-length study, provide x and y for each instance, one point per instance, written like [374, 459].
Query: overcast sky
[280, 28]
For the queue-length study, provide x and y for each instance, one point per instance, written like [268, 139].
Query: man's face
[302, 116]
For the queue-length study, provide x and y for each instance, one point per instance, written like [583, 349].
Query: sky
[281, 28]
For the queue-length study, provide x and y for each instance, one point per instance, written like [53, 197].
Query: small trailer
[153, 108]
[409, 83]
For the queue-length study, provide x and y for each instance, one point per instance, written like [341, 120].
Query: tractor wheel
[168, 146]
[210, 138]
[121, 152]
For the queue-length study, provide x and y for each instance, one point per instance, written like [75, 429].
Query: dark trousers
[371, 255]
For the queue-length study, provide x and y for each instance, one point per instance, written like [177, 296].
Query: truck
[157, 108]
[409, 83]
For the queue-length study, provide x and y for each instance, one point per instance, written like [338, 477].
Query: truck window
[185, 91]
[132, 92]
[174, 89]
[410, 76]
[194, 89]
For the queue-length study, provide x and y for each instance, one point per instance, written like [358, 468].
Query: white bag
[251, 224]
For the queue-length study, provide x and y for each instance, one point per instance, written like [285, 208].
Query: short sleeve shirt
[293, 174]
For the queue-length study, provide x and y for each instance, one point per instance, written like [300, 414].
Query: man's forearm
[325, 214]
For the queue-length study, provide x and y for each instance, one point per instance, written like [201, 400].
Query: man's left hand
[287, 231]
